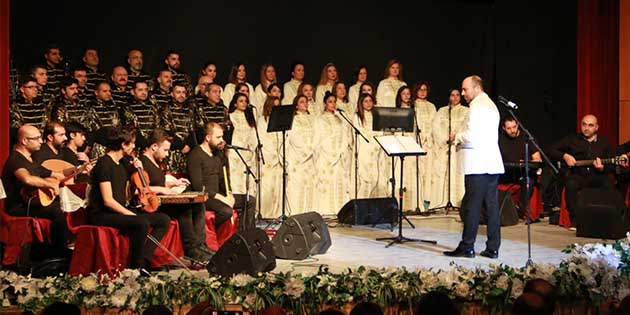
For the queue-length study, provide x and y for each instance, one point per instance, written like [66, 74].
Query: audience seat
[15, 231]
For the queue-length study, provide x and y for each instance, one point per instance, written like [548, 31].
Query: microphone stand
[415, 120]
[259, 158]
[530, 138]
[248, 172]
[356, 158]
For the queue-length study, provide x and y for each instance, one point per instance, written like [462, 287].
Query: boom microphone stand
[510, 108]
[415, 120]
[259, 159]
[449, 205]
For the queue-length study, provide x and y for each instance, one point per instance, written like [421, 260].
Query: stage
[354, 246]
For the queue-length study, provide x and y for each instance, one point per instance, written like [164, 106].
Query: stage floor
[356, 246]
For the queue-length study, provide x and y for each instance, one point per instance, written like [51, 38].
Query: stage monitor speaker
[300, 236]
[369, 211]
[600, 213]
[248, 252]
[507, 210]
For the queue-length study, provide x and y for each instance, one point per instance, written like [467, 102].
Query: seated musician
[512, 145]
[588, 146]
[109, 197]
[75, 133]
[205, 167]
[21, 170]
[191, 217]
[54, 138]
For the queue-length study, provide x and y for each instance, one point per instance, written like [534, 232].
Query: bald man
[587, 145]
[482, 166]
[19, 171]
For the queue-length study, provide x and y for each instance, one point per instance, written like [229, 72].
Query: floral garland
[593, 272]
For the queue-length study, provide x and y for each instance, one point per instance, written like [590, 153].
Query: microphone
[340, 110]
[507, 102]
[235, 147]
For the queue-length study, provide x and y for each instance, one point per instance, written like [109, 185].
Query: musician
[587, 145]
[54, 137]
[512, 144]
[75, 133]
[21, 170]
[205, 168]
[108, 198]
[191, 217]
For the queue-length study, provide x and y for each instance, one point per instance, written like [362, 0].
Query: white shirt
[480, 141]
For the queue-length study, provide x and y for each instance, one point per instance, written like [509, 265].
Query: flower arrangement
[593, 272]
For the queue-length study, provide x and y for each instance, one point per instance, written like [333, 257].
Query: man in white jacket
[482, 166]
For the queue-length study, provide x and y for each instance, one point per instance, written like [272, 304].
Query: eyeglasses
[34, 138]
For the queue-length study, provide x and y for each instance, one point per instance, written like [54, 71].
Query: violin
[147, 198]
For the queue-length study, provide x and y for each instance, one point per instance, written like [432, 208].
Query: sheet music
[399, 145]
[69, 201]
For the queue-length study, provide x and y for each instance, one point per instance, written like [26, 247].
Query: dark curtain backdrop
[525, 50]
[598, 64]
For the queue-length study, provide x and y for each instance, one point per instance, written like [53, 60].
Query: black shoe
[206, 250]
[458, 252]
[493, 254]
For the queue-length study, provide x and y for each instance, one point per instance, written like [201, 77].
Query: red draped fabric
[15, 231]
[598, 64]
[215, 239]
[535, 202]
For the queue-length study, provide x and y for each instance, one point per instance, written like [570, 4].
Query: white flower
[462, 289]
[88, 284]
[250, 300]
[503, 282]
[294, 287]
[448, 278]
[119, 298]
[52, 290]
[241, 280]
[517, 287]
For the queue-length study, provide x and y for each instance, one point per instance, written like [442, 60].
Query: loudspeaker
[507, 210]
[600, 213]
[248, 252]
[369, 211]
[302, 235]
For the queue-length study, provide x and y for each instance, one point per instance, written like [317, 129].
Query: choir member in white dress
[271, 172]
[327, 79]
[238, 74]
[425, 113]
[411, 186]
[355, 90]
[290, 90]
[300, 160]
[308, 90]
[244, 135]
[331, 142]
[372, 165]
[388, 87]
[459, 119]
[267, 77]
[343, 102]
[368, 88]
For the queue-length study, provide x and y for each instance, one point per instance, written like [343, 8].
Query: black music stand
[281, 119]
[400, 146]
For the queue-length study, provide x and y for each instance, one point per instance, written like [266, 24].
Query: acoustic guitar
[44, 197]
[617, 160]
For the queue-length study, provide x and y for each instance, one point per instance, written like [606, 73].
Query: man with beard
[512, 145]
[177, 118]
[173, 64]
[94, 75]
[141, 112]
[54, 136]
[21, 170]
[120, 93]
[162, 92]
[67, 106]
[135, 62]
[191, 217]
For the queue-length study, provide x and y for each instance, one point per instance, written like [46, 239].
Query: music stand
[281, 119]
[394, 119]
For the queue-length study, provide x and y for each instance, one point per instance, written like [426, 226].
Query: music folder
[399, 145]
